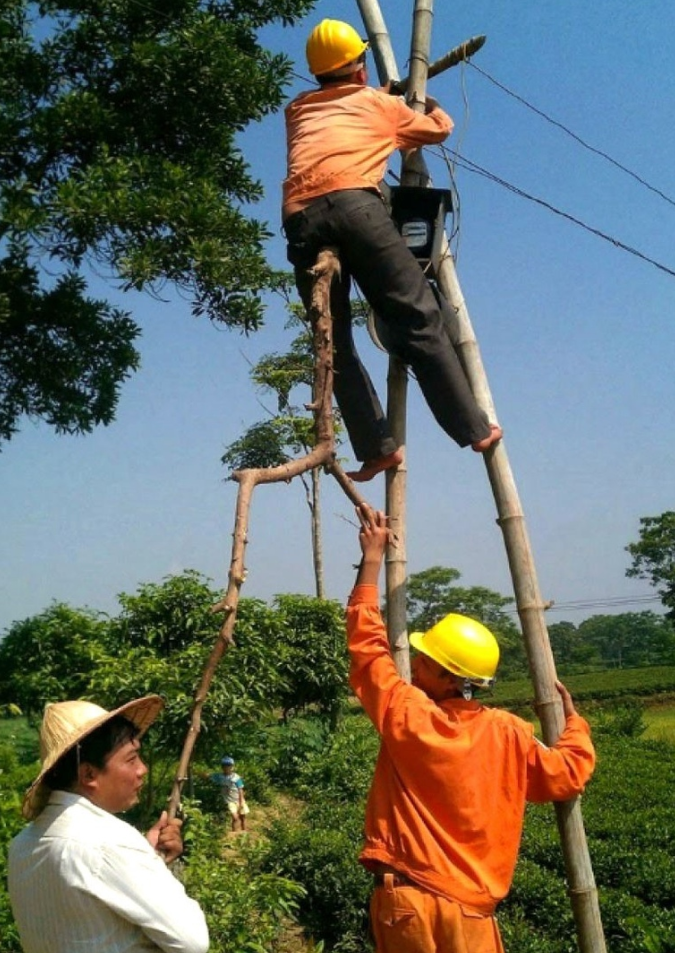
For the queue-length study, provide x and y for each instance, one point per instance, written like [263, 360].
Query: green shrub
[245, 910]
[11, 822]
[343, 769]
[9, 760]
[624, 720]
[320, 851]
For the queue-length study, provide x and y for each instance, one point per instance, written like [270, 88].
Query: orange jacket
[341, 137]
[448, 795]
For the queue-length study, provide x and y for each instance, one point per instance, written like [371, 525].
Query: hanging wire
[610, 602]
[463, 163]
[573, 135]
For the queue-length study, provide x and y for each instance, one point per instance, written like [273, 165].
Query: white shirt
[83, 881]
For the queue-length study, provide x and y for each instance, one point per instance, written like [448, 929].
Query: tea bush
[320, 851]
[245, 913]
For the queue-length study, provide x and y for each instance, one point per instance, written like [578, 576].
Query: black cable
[573, 135]
[469, 166]
[611, 602]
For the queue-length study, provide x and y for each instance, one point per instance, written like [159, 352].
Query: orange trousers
[408, 919]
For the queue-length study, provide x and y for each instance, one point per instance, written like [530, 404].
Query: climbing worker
[81, 878]
[446, 805]
[339, 138]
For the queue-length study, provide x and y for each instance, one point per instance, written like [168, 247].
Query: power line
[573, 135]
[470, 166]
[610, 602]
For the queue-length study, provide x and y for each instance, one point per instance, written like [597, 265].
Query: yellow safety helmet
[333, 44]
[463, 646]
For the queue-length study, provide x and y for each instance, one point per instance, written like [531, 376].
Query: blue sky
[576, 336]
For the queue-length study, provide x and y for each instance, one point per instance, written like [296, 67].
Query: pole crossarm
[455, 56]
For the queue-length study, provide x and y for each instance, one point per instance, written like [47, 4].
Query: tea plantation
[294, 884]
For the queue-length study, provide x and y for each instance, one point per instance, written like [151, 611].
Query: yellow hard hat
[463, 646]
[333, 44]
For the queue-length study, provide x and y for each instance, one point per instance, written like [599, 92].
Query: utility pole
[511, 519]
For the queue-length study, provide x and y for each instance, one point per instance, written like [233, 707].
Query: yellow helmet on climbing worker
[462, 645]
[331, 45]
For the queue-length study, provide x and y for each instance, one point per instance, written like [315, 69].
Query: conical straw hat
[66, 723]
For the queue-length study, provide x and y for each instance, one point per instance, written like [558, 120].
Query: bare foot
[372, 467]
[495, 436]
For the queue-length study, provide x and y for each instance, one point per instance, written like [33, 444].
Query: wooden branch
[325, 271]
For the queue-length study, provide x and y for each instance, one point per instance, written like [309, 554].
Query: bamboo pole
[581, 882]
[396, 562]
[413, 172]
[511, 519]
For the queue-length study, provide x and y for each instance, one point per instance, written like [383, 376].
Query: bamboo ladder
[581, 882]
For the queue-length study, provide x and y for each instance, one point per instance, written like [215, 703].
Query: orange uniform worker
[339, 139]
[445, 810]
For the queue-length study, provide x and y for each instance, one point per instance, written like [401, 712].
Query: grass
[660, 721]
[612, 685]
[16, 733]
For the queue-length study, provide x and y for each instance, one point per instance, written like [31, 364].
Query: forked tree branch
[324, 273]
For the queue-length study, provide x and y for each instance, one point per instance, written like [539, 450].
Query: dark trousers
[415, 322]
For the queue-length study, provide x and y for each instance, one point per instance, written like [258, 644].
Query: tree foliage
[118, 148]
[654, 556]
[629, 639]
[289, 656]
[290, 431]
[311, 654]
[63, 355]
[50, 657]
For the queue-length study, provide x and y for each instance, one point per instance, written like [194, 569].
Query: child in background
[232, 791]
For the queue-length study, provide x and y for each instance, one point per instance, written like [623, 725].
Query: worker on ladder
[339, 139]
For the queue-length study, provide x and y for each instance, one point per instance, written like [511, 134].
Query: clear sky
[576, 335]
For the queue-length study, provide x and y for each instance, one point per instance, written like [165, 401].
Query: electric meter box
[419, 214]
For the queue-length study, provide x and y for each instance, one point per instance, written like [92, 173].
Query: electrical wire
[573, 135]
[469, 166]
[610, 602]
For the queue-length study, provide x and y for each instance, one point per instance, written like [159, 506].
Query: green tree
[160, 642]
[288, 431]
[51, 657]
[311, 654]
[166, 617]
[654, 557]
[432, 594]
[569, 648]
[429, 594]
[630, 639]
[118, 129]
[63, 355]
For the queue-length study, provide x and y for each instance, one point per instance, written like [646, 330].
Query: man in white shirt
[81, 878]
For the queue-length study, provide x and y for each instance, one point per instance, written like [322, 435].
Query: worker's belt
[393, 879]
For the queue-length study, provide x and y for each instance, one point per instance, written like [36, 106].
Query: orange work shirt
[448, 796]
[341, 137]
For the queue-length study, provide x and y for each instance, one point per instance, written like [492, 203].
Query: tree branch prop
[325, 271]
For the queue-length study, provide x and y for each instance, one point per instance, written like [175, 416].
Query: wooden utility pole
[511, 519]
